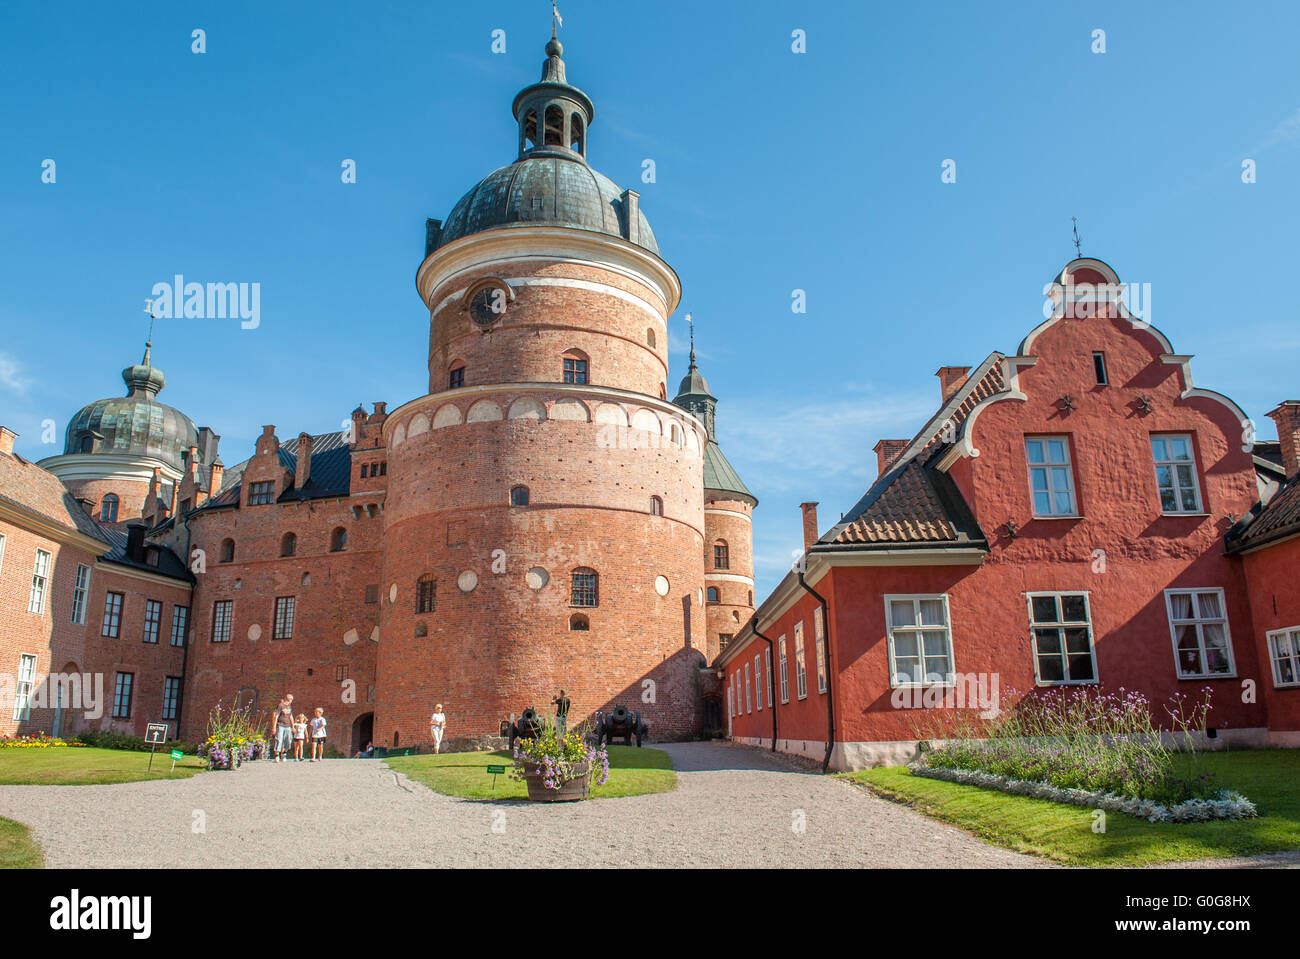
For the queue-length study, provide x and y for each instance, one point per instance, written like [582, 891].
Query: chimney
[302, 469]
[381, 409]
[886, 452]
[1287, 418]
[951, 379]
[135, 543]
[7, 437]
[631, 204]
[358, 425]
[809, 525]
[214, 480]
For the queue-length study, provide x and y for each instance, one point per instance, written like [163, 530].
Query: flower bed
[39, 741]
[1084, 746]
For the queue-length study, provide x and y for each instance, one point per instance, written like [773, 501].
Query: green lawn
[88, 766]
[1269, 778]
[632, 772]
[17, 850]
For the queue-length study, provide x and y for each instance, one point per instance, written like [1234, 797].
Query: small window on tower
[575, 133]
[656, 506]
[575, 367]
[554, 126]
[456, 379]
[519, 496]
[1099, 367]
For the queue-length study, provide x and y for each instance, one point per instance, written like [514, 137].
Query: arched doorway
[363, 732]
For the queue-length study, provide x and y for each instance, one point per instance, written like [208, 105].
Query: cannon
[620, 722]
[527, 726]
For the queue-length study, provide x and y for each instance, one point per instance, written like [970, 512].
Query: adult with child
[283, 726]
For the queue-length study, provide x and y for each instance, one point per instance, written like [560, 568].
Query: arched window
[579, 622]
[530, 129]
[227, 551]
[720, 558]
[554, 126]
[575, 367]
[288, 544]
[108, 508]
[575, 132]
[456, 375]
[649, 337]
[675, 434]
[519, 496]
[713, 594]
[585, 590]
[663, 392]
[656, 506]
[426, 594]
[338, 539]
[751, 597]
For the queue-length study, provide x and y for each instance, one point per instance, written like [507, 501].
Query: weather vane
[148, 308]
[691, 323]
[556, 19]
[1077, 251]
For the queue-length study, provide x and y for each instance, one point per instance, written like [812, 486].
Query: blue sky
[775, 171]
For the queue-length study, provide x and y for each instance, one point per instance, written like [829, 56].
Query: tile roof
[331, 472]
[169, 564]
[39, 491]
[1278, 520]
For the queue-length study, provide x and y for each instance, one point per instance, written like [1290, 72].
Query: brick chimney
[358, 425]
[214, 480]
[1287, 418]
[886, 451]
[302, 470]
[7, 437]
[951, 379]
[809, 525]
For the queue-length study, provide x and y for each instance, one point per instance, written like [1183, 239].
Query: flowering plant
[559, 759]
[39, 741]
[233, 738]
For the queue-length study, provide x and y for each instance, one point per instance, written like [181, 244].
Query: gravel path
[734, 806]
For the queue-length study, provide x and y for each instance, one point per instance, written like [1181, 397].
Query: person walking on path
[437, 726]
[561, 714]
[299, 736]
[283, 727]
[318, 735]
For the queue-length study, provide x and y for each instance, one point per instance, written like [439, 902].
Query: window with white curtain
[920, 642]
[1198, 623]
[1284, 652]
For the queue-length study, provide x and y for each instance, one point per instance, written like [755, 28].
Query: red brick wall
[1271, 575]
[735, 599]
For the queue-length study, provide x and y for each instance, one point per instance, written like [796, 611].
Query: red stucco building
[1062, 519]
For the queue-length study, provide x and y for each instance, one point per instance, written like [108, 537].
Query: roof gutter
[830, 672]
[771, 658]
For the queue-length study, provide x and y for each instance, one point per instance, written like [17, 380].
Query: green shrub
[110, 740]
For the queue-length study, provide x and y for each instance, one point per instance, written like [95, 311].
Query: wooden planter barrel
[577, 788]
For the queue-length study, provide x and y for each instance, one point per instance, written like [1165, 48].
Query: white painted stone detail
[484, 411]
[448, 415]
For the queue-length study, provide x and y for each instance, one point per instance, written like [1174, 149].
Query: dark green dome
[136, 424]
[545, 190]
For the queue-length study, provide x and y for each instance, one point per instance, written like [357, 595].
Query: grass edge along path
[632, 772]
[90, 766]
[1063, 833]
[17, 848]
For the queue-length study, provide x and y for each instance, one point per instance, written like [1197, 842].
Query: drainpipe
[771, 659]
[830, 673]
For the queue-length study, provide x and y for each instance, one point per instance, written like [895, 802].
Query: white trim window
[767, 659]
[819, 644]
[731, 701]
[920, 640]
[800, 663]
[1051, 479]
[79, 590]
[1284, 652]
[1061, 627]
[785, 673]
[758, 681]
[1176, 473]
[749, 704]
[23, 689]
[1198, 625]
[40, 580]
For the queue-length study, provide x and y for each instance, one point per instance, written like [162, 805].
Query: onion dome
[136, 424]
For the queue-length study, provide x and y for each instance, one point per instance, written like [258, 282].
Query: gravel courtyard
[734, 807]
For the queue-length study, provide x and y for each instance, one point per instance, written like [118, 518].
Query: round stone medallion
[536, 578]
[392, 593]
[467, 580]
[661, 585]
[255, 632]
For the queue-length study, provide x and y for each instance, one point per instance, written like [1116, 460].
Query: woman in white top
[437, 723]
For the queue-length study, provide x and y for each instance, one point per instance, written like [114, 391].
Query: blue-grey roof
[331, 472]
[720, 475]
[169, 564]
[550, 190]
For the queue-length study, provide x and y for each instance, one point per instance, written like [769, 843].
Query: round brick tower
[544, 520]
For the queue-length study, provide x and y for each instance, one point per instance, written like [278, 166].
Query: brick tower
[545, 520]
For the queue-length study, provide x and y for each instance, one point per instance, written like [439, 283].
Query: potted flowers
[233, 738]
[559, 768]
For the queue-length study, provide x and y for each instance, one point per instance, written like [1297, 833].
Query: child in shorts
[299, 736]
[318, 735]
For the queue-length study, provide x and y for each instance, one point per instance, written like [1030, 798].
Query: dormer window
[261, 494]
[108, 508]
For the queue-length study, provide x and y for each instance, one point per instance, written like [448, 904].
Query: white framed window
[749, 706]
[731, 700]
[1284, 652]
[1061, 627]
[819, 642]
[1051, 480]
[23, 690]
[758, 681]
[1198, 625]
[920, 640]
[800, 664]
[40, 580]
[785, 676]
[1176, 473]
[79, 590]
[767, 658]
[152, 620]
